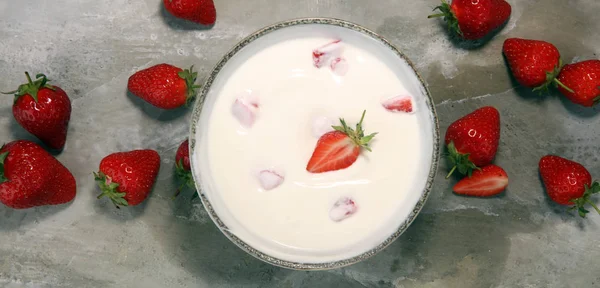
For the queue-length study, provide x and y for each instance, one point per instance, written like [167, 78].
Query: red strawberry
[30, 177]
[474, 19]
[43, 110]
[182, 168]
[164, 86]
[182, 157]
[489, 181]
[398, 104]
[584, 79]
[339, 149]
[127, 177]
[198, 11]
[535, 64]
[568, 183]
[473, 140]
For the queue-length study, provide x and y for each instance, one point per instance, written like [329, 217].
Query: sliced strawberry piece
[339, 149]
[342, 209]
[245, 108]
[490, 180]
[243, 113]
[339, 66]
[270, 179]
[323, 55]
[399, 104]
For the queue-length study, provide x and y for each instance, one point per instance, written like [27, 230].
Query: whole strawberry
[30, 177]
[339, 149]
[182, 168]
[128, 177]
[534, 63]
[472, 140]
[43, 110]
[472, 20]
[568, 183]
[198, 11]
[164, 86]
[584, 80]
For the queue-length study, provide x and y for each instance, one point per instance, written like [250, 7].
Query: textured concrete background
[90, 48]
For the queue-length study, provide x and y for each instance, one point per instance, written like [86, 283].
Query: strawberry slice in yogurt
[324, 55]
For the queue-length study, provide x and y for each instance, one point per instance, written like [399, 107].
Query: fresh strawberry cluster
[30, 176]
[125, 177]
[472, 141]
[534, 63]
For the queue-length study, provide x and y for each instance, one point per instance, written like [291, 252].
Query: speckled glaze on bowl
[198, 106]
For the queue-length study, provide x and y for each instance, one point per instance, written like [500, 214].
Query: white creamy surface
[292, 221]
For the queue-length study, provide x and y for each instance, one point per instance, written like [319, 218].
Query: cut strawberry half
[489, 181]
[399, 104]
[339, 149]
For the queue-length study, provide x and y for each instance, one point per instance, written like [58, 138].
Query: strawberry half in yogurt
[340, 148]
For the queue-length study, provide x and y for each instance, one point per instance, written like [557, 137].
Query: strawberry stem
[451, 171]
[563, 85]
[436, 15]
[31, 87]
[29, 81]
[593, 205]
[177, 192]
[357, 136]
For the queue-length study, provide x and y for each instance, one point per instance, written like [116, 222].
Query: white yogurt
[292, 221]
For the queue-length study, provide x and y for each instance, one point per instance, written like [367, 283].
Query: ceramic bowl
[263, 39]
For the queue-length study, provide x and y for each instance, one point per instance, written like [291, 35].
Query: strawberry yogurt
[262, 127]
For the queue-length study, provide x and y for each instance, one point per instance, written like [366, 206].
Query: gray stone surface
[89, 48]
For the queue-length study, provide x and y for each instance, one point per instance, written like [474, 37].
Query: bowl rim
[197, 110]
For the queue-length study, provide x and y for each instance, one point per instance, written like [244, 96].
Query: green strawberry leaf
[32, 87]
[110, 189]
[449, 17]
[460, 161]
[2, 159]
[190, 80]
[185, 177]
[356, 135]
[579, 203]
